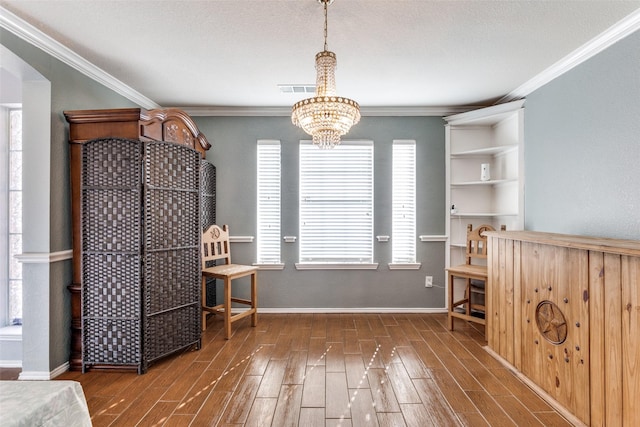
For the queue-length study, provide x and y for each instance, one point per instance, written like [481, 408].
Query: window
[336, 203]
[268, 202]
[11, 184]
[404, 202]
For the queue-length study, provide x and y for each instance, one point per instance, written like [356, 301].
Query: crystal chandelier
[326, 116]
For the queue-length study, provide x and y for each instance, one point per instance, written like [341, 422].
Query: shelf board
[490, 182]
[487, 151]
[481, 214]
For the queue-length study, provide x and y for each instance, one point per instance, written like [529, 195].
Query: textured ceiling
[408, 53]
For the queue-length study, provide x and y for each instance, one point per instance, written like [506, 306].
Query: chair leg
[204, 303]
[449, 317]
[254, 299]
[227, 308]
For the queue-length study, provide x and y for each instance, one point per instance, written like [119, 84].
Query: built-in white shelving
[492, 136]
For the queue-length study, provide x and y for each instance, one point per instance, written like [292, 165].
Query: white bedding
[43, 403]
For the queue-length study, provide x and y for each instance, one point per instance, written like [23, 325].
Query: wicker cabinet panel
[111, 220]
[169, 278]
[169, 165]
[165, 332]
[111, 341]
[112, 162]
[208, 215]
[140, 261]
[166, 213]
[207, 194]
[112, 285]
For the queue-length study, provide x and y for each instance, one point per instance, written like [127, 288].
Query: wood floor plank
[377, 327]
[312, 417]
[211, 410]
[260, 359]
[472, 419]
[518, 389]
[402, 385]
[139, 407]
[287, 413]
[416, 415]
[485, 377]
[489, 409]
[181, 386]
[356, 371]
[296, 368]
[261, 413]
[178, 421]
[552, 419]
[317, 351]
[412, 363]
[362, 328]
[238, 408]
[517, 411]
[371, 354]
[335, 358]
[435, 402]
[195, 398]
[456, 397]
[388, 350]
[158, 414]
[426, 355]
[336, 395]
[313, 392]
[319, 326]
[272, 379]
[382, 392]
[363, 412]
[391, 419]
[351, 343]
[397, 335]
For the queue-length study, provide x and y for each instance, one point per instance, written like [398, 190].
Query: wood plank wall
[595, 283]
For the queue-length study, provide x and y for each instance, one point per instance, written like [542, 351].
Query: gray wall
[582, 148]
[47, 319]
[234, 155]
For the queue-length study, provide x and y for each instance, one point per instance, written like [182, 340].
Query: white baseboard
[44, 375]
[10, 363]
[291, 310]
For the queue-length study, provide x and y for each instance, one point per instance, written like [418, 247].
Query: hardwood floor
[323, 370]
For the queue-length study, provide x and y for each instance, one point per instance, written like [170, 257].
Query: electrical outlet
[428, 281]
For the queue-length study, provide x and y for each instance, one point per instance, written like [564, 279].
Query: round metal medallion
[551, 322]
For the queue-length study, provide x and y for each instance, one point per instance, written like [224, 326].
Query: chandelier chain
[325, 25]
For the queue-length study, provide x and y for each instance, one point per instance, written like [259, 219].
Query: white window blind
[404, 202]
[336, 203]
[268, 202]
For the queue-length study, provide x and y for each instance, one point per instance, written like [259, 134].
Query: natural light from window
[336, 203]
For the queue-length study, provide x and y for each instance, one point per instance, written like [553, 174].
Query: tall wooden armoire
[137, 208]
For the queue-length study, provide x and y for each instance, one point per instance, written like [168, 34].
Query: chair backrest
[215, 245]
[477, 242]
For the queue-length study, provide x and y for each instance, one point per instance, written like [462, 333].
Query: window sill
[405, 266]
[274, 266]
[11, 333]
[337, 266]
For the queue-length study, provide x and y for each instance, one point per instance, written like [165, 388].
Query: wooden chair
[473, 270]
[215, 246]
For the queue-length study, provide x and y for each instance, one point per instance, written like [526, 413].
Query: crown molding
[34, 36]
[221, 111]
[615, 33]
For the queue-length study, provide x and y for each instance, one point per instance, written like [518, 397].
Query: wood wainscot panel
[574, 303]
